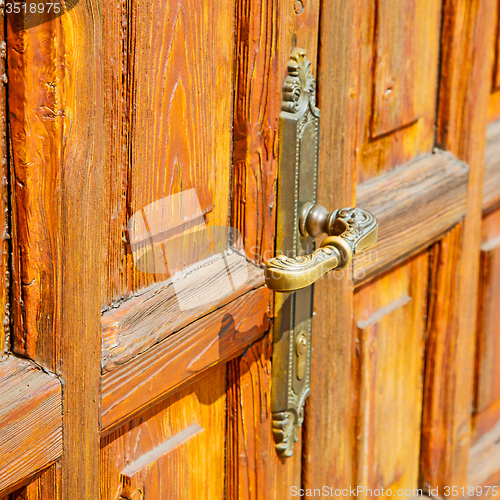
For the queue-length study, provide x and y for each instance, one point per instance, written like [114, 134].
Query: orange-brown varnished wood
[217, 338]
[155, 313]
[46, 486]
[494, 107]
[488, 381]
[389, 316]
[491, 184]
[329, 434]
[266, 34]
[496, 65]
[174, 450]
[466, 56]
[30, 421]
[440, 352]
[415, 204]
[58, 190]
[170, 97]
[395, 100]
[398, 79]
[484, 421]
[254, 470]
[4, 205]
[494, 104]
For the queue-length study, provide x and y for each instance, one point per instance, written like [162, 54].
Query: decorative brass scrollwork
[298, 264]
[349, 229]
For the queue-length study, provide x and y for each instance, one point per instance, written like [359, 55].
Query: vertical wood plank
[329, 435]
[390, 319]
[174, 450]
[488, 343]
[266, 33]
[252, 464]
[168, 118]
[466, 65]
[398, 80]
[395, 101]
[4, 203]
[494, 105]
[44, 487]
[496, 66]
[58, 192]
[441, 346]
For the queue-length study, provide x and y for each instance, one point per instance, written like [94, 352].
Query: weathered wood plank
[266, 33]
[389, 314]
[170, 96]
[253, 466]
[465, 82]
[488, 343]
[58, 192]
[494, 104]
[440, 349]
[329, 433]
[396, 102]
[46, 486]
[30, 421]
[4, 204]
[415, 205]
[399, 47]
[164, 308]
[148, 377]
[174, 450]
[491, 188]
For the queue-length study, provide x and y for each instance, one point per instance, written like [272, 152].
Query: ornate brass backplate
[297, 186]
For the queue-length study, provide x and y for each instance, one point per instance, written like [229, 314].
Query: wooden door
[145, 372]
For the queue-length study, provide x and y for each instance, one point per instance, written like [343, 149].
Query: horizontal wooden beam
[491, 188]
[150, 376]
[164, 308]
[415, 205]
[30, 421]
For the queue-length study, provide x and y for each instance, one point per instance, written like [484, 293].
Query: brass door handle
[349, 230]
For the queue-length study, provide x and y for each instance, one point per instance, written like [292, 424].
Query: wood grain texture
[169, 96]
[4, 204]
[254, 470]
[491, 184]
[399, 49]
[329, 433]
[495, 85]
[155, 313]
[174, 450]
[440, 352]
[494, 104]
[45, 486]
[396, 102]
[389, 314]
[266, 33]
[219, 337]
[484, 462]
[30, 421]
[415, 205]
[484, 421]
[488, 346]
[58, 200]
[467, 43]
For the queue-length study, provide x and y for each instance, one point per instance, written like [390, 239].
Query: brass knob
[349, 230]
